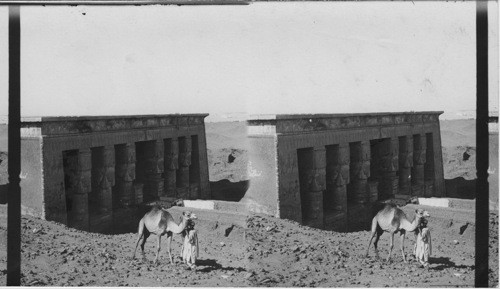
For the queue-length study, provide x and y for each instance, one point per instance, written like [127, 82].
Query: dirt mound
[227, 163]
[227, 151]
[459, 161]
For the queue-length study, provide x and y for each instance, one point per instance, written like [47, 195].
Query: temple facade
[91, 172]
[326, 170]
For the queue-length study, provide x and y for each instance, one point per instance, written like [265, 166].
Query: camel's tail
[374, 224]
[140, 230]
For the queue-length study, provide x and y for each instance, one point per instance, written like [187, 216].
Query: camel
[159, 221]
[392, 219]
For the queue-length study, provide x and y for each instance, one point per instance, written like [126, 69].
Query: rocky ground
[265, 252]
[269, 252]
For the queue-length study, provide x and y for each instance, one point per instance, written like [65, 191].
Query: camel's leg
[374, 231]
[140, 233]
[375, 243]
[391, 246]
[146, 235]
[169, 248]
[403, 246]
[158, 249]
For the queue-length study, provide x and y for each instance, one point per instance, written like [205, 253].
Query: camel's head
[187, 215]
[421, 213]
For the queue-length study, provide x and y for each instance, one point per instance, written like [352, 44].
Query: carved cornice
[89, 124]
[299, 123]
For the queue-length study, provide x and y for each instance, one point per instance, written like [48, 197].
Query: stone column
[105, 179]
[83, 181]
[316, 184]
[337, 177]
[429, 166]
[389, 151]
[171, 166]
[417, 171]
[54, 192]
[405, 164]
[194, 169]
[154, 181]
[125, 174]
[184, 163]
[359, 171]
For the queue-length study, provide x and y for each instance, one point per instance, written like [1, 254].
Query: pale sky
[299, 57]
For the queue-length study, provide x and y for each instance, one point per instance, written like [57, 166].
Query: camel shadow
[210, 265]
[445, 262]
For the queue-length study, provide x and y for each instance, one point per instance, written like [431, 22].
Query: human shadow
[445, 262]
[210, 265]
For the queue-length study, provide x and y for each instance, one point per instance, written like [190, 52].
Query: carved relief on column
[171, 166]
[184, 161]
[154, 170]
[125, 174]
[419, 158]
[389, 151]
[429, 167]
[405, 164]
[337, 178]
[54, 192]
[316, 184]
[105, 179]
[83, 186]
[359, 171]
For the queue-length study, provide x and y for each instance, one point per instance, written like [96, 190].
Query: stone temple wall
[327, 171]
[91, 172]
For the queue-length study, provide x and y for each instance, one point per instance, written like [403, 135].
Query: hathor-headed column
[125, 173]
[316, 185]
[359, 171]
[337, 177]
[105, 178]
[154, 181]
[171, 166]
[83, 180]
[405, 164]
[184, 162]
[389, 151]
[419, 158]
[54, 192]
[429, 167]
